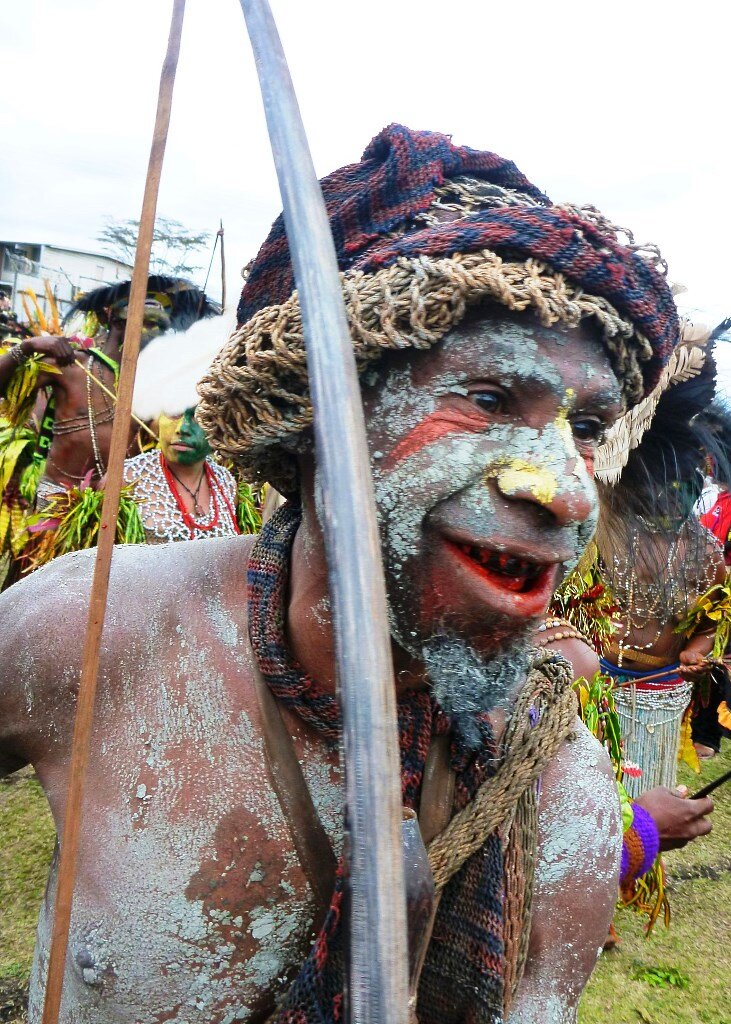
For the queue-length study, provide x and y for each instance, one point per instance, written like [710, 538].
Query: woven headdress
[424, 230]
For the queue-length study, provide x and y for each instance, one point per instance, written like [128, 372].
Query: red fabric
[718, 521]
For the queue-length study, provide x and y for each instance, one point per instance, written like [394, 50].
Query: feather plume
[170, 367]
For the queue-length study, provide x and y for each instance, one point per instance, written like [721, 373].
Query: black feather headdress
[184, 303]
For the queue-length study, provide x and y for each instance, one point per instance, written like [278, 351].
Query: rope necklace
[474, 961]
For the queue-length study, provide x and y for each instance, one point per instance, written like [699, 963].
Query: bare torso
[673, 574]
[190, 904]
[71, 455]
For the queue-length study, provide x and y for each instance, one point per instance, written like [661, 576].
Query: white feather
[170, 367]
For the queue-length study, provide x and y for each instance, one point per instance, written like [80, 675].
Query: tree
[173, 245]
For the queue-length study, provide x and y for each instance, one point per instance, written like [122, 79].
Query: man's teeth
[500, 562]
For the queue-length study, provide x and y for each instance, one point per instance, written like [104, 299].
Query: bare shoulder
[60, 590]
[579, 819]
[581, 656]
[151, 587]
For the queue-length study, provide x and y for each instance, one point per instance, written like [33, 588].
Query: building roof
[68, 248]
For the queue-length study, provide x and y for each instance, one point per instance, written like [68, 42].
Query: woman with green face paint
[182, 493]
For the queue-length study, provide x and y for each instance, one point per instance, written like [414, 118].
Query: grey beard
[465, 684]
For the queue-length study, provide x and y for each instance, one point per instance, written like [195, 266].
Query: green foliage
[17, 404]
[17, 444]
[661, 977]
[599, 714]
[78, 513]
[586, 601]
[248, 514]
[29, 479]
[27, 842]
[712, 608]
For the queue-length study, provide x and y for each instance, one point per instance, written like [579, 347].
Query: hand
[678, 819]
[694, 665]
[57, 348]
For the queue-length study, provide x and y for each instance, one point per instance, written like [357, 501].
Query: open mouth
[503, 569]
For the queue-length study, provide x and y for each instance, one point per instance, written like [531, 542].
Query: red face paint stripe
[431, 429]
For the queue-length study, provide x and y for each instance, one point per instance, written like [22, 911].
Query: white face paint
[482, 450]
[576, 882]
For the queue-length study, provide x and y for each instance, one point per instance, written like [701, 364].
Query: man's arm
[12, 728]
[43, 618]
[692, 658]
[58, 349]
[577, 877]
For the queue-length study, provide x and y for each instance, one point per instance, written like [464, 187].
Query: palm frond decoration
[248, 509]
[17, 405]
[71, 522]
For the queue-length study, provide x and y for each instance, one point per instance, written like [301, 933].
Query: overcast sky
[623, 104]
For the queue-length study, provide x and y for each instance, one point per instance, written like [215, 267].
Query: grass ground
[26, 844]
[698, 943]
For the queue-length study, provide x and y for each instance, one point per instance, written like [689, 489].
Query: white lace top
[161, 511]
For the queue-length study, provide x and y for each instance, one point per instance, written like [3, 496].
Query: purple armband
[640, 846]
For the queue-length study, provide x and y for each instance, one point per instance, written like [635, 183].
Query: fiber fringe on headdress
[423, 230]
[626, 434]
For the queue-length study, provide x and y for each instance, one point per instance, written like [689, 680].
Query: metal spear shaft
[377, 983]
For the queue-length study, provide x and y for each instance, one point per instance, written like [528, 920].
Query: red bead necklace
[188, 519]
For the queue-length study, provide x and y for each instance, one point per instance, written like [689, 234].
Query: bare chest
[191, 904]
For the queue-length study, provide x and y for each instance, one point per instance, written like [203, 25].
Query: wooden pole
[223, 271]
[69, 837]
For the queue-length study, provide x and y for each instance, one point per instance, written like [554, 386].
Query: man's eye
[489, 401]
[588, 430]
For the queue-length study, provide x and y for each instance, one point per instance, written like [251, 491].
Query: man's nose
[566, 493]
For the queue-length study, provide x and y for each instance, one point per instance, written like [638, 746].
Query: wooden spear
[110, 394]
[223, 271]
[69, 836]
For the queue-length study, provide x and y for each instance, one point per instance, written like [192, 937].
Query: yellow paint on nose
[519, 475]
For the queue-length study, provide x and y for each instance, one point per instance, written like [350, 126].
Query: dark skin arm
[692, 658]
[54, 348]
[678, 820]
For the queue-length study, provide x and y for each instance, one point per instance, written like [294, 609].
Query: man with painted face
[182, 494]
[497, 336]
[77, 416]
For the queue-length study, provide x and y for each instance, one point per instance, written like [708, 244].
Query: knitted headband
[423, 230]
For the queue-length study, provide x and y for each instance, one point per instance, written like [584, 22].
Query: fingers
[698, 823]
[704, 826]
[703, 806]
[694, 671]
[63, 351]
[682, 792]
